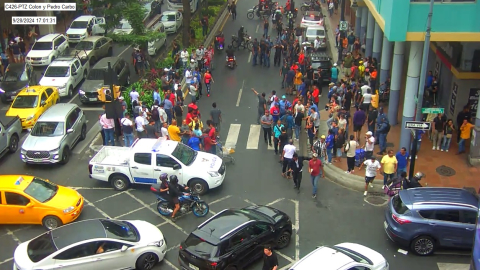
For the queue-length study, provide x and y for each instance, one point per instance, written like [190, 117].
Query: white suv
[46, 49]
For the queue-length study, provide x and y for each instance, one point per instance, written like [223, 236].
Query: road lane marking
[170, 264]
[297, 229]
[287, 266]
[453, 266]
[96, 208]
[258, 26]
[253, 137]
[80, 147]
[250, 57]
[274, 202]
[6, 261]
[108, 197]
[174, 247]
[92, 188]
[14, 237]
[285, 256]
[219, 200]
[133, 211]
[232, 136]
[240, 93]
[161, 224]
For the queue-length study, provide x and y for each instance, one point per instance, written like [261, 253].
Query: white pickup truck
[78, 30]
[147, 159]
[65, 74]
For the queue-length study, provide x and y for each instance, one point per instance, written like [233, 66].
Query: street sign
[418, 125]
[433, 110]
[343, 26]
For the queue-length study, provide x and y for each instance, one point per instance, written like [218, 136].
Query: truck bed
[112, 155]
[8, 121]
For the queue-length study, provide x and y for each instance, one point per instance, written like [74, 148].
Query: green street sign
[433, 110]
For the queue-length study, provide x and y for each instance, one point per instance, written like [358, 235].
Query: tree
[187, 17]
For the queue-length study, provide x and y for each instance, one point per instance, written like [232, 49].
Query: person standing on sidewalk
[296, 169]
[127, 129]
[369, 144]
[402, 161]
[350, 149]
[438, 126]
[315, 168]
[330, 144]
[382, 132]
[447, 135]
[465, 133]
[372, 166]
[266, 121]
[390, 165]
[287, 155]
[465, 114]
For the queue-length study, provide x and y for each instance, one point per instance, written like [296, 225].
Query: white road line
[274, 202]
[212, 212]
[219, 200]
[453, 266]
[247, 201]
[258, 26]
[232, 136]
[80, 147]
[7, 260]
[98, 209]
[21, 229]
[285, 256]
[287, 266]
[91, 188]
[297, 229]
[253, 136]
[161, 224]
[170, 264]
[271, 147]
[174, 247]
[250, 57]
[111, 196]
[133, 211]
[73, 98]
[156, 213]
[240, 93]
[14, 237]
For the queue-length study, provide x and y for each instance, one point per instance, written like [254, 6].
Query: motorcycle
[311, 6]
[219, 43]
[231, 62]
[188, 202]
[260, 14]
[246, 43]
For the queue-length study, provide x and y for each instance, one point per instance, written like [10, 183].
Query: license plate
[193, 266]
[37, 160]
[385, 225]
[92, 99]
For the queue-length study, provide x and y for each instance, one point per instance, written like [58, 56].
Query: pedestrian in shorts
[372, 167]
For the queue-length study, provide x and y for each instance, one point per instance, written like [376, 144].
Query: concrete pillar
[411, 89]
[370, 30]
[358, 22]
[377, 42]
[363, 24]
[386, 59]
[396, 83]
[477, 118]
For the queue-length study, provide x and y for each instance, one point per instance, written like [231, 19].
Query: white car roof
[61, 63]
[84, 18]
[49, 37]
[328, 257]
[155, 145]
[169, 12]
[319, 27]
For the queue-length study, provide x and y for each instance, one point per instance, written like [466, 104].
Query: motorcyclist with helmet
[231, 54]
[219, 40]
[175, 190]
[414, 182]
[242, 37]
[164, 190]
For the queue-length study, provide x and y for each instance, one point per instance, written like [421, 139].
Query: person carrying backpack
[383, 127]
[155, 114]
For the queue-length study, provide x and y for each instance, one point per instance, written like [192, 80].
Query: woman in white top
[342, 122]
[367, 100]
[350, 148]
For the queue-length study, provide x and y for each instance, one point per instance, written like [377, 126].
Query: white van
[154, 46]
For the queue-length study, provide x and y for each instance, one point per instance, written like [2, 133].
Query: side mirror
[42, 103]
[272, 229]
[56, 47]
[70, 130]
[29, 205]
[124, 248]
[176, 167]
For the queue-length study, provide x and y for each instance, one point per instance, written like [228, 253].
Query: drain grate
[445, 171]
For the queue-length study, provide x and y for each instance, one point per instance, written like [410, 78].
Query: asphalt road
[337, 215]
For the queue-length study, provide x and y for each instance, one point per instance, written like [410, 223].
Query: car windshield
[312, 18]
[14, 76]
[123, 25]
[79, 25]
[84, 45]
[201, 247]
[48, 129]
[41, 190]
[315, 32]
[120, 230]
[168, 18]
[41, 247]
[55, 71]
[352, 254]
[184, 154]
[96, 74]
[25, 102]
[42, 46]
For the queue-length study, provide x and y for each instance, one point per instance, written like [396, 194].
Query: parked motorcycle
[245, 43]
[311, 6]
[188, 202]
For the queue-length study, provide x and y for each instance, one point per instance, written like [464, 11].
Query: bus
[177, 5]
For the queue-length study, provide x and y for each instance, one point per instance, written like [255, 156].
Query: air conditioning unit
[354, 4]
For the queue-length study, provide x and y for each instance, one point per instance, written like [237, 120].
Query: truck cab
[65, 74]
[79, 28]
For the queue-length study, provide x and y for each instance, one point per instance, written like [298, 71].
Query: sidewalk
[442, 169]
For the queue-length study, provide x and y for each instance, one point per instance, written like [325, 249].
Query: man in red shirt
[316, 95]
[315, 167]
[213, 132]
[301, 61]
[209, 144]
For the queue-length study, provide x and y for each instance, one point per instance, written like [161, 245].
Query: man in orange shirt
[301, 61]
[465, 133]
[373, 79]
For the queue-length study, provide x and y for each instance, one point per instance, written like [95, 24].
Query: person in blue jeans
[315, 168]
[330, 143]
[334, 76]
[402, 161]
[127, 130]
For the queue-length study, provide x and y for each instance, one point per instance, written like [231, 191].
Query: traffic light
[101, 94]
[116, 91]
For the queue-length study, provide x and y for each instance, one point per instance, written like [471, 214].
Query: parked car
[32, 102]
[154, 46]
[313, 32]
[15, 79]
[46, 49]
[10, 130]
[54, 135]
[96, 76]
[235, 238]
[345, 256]
[93, 48]
[172, 20]
[95, 244]
[33, 200]
[78, 30]
[312, 18]
[426, 218]
[321, 60]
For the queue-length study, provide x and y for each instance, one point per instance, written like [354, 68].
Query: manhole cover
[376, 194]
[376, 200]
[445, 171]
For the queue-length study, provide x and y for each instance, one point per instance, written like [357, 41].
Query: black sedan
[14, 80]
[234, 238]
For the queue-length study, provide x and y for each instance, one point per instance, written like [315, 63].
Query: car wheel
[119, 182]
[65, 155]
[110, 52]
[198, 186]
[12, 148]
[283, 240]
[147, 261]
[51, 222]
[423, 245]
[70, 91]
[83, 134]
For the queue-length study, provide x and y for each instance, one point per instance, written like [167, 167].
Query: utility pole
[343, 34]
[423, 71]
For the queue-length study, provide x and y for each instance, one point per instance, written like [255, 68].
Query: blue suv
[424, 219]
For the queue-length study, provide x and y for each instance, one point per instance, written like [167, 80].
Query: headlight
[30, 117]
[55, 150]
[157, 243]
[68, 210]
[62, 86]
[214, 174]
[81, 92]
[45, 58]
[1, 91]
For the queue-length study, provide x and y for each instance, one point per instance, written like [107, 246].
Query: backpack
[388, 128]
[155, 114]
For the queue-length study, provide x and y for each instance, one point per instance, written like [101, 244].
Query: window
[428, 214]
[48, 129]
[107, 246]
[61, 40]
[44, 97]
[143, 158]
[57, 42]
[257, 229]
[41, 247]
[185, 154]
[25, 102]
[201, 246]
[469, 216]
[120, 230]
[72, 118]
[98, 45]
[80, 251]
[0, 191]
[49, 91]
[359, 268]
[238, 239]
[165, 161]
[16, 199]
[448, 215]
[41, 190]
[399, 206]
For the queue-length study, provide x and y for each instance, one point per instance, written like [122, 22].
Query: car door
[51, 96]
[60, 44]
[70, 127]
[97, 49]
[19, 209]
[166, 164]
[74, 73]
[44, 103]
[469, 220]
[77, 125]
[124, 73]
[98, 26]
[78, 77]
[79, 257]
[240, 248]
[109, 255]
[3, 139]
[447, 227]
[141, 169]
[261, 234]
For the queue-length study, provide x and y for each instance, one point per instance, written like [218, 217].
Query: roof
[221, 224]
[48, 37]
[62, 61]
[320, 27]
[34, 90]
[438, 195]
[77, 232]
[103, 63]
[58, 112]
[155, 145]
[168, 12]
[330, 258]
[93, 38]
[84, 18]
[10, 181]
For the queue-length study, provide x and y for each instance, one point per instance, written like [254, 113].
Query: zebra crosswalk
[255, 134]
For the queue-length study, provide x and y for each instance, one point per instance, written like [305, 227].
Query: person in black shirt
[263, 51]
[151, 130]
[23, 49]
[278, 54]
[465, 114]
[178, 110]
[372, 119]
[282, 140]
[347, 99]
[309, 80]
[438, 126]
[298, 118]
[296, 166]
[175, 191]
[270, 260]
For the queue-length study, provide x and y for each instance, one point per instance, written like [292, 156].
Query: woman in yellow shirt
[297, 81]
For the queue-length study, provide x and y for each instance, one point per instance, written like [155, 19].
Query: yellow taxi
[31, 102]
[26, 199]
